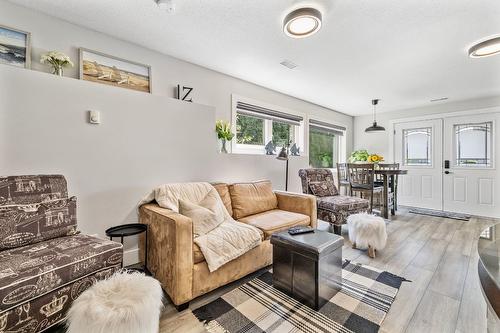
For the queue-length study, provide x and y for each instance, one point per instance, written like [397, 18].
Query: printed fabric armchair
[45, 263]
[332, 207]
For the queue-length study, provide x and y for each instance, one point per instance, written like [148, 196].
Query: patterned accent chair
[335, 208]
[45, 263]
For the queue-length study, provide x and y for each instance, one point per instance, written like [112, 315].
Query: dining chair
[379, 180]
[342, 177]
[362, 180]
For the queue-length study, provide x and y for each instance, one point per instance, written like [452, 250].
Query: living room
[122, 99]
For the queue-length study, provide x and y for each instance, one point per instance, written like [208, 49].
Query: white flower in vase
[57, 60]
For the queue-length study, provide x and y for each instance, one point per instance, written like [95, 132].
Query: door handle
[447, 172]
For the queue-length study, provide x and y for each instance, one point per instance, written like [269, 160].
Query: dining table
[388, 178]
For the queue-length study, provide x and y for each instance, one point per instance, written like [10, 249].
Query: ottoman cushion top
[316, 245]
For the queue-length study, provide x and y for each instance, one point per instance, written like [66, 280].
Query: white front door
[418, 149]
[470, 184]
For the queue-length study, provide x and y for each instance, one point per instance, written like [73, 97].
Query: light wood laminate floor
[438, 255]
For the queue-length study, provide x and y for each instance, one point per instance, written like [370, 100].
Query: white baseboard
[131, 257]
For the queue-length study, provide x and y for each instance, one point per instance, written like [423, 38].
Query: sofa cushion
[31, 271]
[252, 198]
[276, 220]
[25, 224]
[323, 189]
[197, 254]
[223, 190]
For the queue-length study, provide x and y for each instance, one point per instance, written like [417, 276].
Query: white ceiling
[403, 52]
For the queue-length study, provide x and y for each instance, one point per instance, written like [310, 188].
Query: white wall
[379, 142]
[210, 87]
[142, 142]
[144, 139]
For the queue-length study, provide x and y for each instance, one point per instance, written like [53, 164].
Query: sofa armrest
[170, 250]
[298, 203]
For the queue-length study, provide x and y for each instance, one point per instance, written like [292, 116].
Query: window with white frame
[256, 125]
[324, 144]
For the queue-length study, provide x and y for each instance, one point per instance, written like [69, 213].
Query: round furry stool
[127, 302]
[367, 231]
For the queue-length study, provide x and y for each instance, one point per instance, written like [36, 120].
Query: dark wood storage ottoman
[308, 267]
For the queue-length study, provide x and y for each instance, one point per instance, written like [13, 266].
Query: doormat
[440, 213]
[360, 306]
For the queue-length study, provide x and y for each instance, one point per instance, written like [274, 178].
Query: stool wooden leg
[371, 251]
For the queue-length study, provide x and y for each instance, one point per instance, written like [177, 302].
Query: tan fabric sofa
[178, 263]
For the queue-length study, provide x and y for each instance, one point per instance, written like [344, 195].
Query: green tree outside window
[249, 130]
[322, 149]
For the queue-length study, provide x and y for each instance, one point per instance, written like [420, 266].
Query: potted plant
[359, 156]
[57, 60]
[224, 134]
[326, 160]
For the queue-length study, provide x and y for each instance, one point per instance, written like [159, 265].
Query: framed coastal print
[15, 47]
[102, 68]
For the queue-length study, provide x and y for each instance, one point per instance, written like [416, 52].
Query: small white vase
[223, 148]
[58, 71]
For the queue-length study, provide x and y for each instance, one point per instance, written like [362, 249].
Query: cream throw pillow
[203, 215]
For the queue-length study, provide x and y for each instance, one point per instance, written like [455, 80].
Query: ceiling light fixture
[375, 127]
[302, 22]
[166, 5]
[485, 48]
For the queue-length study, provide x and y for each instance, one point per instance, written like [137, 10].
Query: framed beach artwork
[99, 67]
[15, 47]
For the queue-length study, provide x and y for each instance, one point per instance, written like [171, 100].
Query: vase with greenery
[57, 60]
[360, 155]
[224, 134]
[326, 160]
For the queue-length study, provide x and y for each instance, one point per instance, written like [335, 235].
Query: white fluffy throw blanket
[220, 238]
[366, 229]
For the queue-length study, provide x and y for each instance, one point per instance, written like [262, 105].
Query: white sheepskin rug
[127, 302]
[366, 229]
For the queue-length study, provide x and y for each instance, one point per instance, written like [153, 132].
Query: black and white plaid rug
[362, 304]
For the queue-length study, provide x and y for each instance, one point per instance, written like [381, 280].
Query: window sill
[259, 154]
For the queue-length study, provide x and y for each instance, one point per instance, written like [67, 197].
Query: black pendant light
[375, 127]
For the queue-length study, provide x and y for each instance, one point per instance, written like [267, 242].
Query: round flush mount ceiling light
[486, 48]
[302, 22]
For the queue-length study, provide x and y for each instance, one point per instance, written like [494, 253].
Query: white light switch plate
[94, 117]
